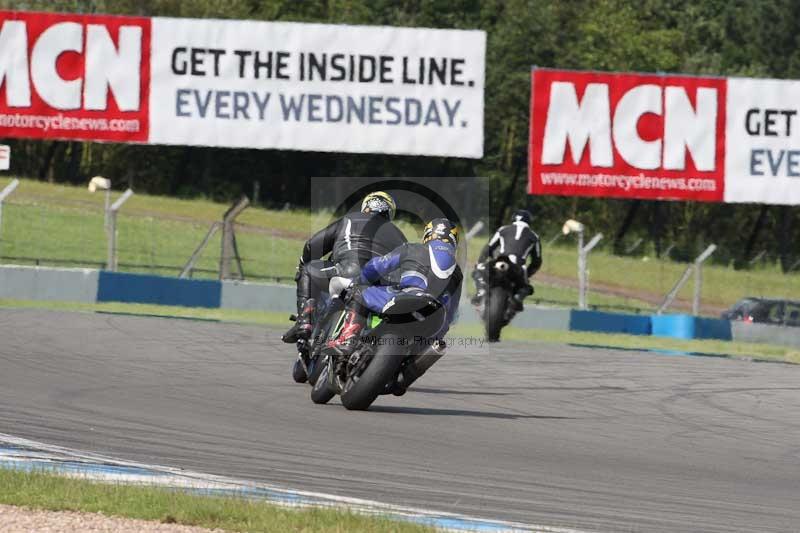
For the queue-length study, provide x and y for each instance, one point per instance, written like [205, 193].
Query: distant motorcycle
[402, 333]
[497, 308]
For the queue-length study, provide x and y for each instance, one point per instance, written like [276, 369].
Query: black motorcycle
[305, 368]
[401, 334]
[327, 311]
[497, 308]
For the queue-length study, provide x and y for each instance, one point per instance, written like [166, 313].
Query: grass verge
[43, 490]
[165, 311]
[743, 350]
[736, 350]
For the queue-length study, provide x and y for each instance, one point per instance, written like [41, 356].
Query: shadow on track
[459, 392]
[458, 412]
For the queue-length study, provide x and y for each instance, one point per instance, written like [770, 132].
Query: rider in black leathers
[519, 243]
[352, 240]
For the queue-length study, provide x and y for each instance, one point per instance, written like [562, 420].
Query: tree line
[759, 38]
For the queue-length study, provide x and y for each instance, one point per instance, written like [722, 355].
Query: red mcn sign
[627, 135]
[74, 76]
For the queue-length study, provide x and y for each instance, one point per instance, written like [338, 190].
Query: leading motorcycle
[497, 308]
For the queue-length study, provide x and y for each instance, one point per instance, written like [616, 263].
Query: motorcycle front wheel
[321, 336]
[298, 371]
[321, 391]
[496, 302]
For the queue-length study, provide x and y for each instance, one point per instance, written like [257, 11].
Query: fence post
[670, 297]
[583, 272]
[186, 272]
[229, 248]
[698, 277]
[697, 266]
[111, 230]
[3, 195]
[107, 208]
[474, 230]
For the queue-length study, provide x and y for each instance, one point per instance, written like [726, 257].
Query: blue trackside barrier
[88, 285]
[690, 327]
[713, 328]
[158, 290]
[678, 326]
[609, 322]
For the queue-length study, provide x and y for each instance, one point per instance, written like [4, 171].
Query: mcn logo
[627, 135]
[64, 75]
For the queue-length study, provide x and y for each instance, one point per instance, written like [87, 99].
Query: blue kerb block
[713, 328]
[609, 322]
[676, 326]
[159, 290]
[690, 327]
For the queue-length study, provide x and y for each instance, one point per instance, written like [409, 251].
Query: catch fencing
[637, 281]
[71, 233]
[64, 227]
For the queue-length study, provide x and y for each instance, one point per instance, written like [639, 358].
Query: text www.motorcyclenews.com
[61, 123]
[627, 183]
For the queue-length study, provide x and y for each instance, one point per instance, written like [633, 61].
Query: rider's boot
[302, 327]
[354, 323]
[476, 300]
[418, 366]
[519, 296]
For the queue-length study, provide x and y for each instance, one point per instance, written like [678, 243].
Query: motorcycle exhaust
[422, 362]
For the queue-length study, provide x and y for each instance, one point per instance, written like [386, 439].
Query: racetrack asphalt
[593, 439]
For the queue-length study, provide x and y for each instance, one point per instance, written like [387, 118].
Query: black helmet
[440, 229]
[522, 215]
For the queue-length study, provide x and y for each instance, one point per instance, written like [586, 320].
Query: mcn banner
[664, 137]
[243, 84]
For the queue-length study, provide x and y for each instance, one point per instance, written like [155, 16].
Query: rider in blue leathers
[429, 267]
